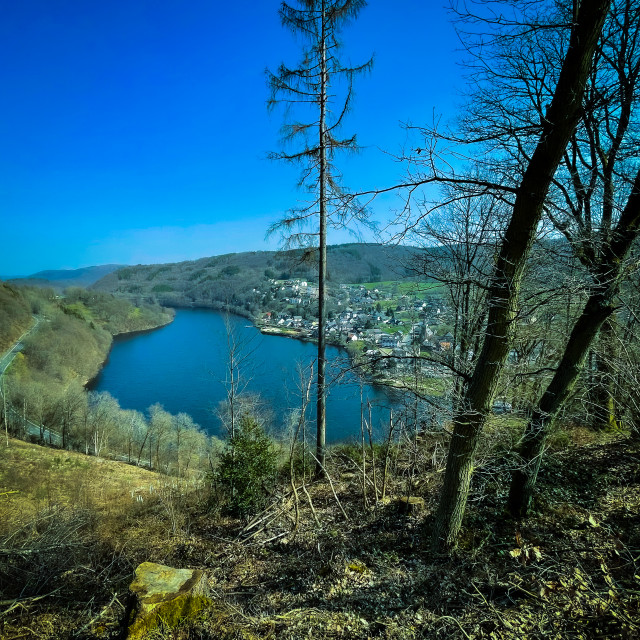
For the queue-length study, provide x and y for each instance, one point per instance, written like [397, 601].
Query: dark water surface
[183, 365]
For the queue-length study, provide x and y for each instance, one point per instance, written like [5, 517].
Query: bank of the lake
[183, 367]
[89, 382]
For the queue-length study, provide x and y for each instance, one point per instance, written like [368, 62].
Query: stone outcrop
[164, 596]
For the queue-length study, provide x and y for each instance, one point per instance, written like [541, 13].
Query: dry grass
[72, 529]
[569, 571]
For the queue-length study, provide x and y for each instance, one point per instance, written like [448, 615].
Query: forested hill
[233, 278]
[77, 312]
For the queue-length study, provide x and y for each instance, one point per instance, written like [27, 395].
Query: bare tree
[521, 176]
[313, 86]
[161, 423]
[103, 410]
[459, 244]
[597, 208]
[598, 309]
[239, 355]
[183, 425]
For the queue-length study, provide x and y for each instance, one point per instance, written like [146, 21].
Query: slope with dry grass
[348, 570]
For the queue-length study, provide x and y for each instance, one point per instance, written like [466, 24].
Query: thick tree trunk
[560, 123]
[597, 310]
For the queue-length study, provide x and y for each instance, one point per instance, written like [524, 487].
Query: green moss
[169, 614]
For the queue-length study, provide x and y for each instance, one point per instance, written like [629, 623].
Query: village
[392, 329]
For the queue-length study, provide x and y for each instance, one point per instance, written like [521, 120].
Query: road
[7, 358]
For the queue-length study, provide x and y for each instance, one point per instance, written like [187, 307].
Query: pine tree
[307, 86]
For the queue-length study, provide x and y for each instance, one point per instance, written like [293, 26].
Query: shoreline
[135, 332]
[123, 334]
[371, 378]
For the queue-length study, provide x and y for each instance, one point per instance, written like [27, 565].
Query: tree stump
[410, 505]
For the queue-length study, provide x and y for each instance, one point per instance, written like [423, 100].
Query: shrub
[231, 270]
[246, 467]
[162, 288]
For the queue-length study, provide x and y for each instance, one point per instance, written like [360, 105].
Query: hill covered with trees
[232, 279]
[66, 348]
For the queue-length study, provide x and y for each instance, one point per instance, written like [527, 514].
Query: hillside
[15, 315]
[61, 278]
[343, 570]
[234, 278]
[67, 347]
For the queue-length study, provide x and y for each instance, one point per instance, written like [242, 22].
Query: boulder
[163, 596]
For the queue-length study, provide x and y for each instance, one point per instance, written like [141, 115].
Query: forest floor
[73, 529]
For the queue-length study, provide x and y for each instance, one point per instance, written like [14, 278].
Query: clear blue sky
[136, 131]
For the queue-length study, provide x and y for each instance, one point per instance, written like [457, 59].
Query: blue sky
[136, 131]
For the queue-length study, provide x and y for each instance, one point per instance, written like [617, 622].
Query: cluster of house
[298, 292]
[386, 339]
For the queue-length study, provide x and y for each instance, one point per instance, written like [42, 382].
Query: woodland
[521, 522]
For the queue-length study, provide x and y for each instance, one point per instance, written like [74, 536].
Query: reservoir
[183, 367]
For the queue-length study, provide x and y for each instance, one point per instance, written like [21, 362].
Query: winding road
[8, 356]
[6, 359]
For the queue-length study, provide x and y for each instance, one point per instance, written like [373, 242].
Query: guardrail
[30, 428]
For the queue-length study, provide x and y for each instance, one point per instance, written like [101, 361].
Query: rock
[357, 567]
[164, 595]
[410, 504]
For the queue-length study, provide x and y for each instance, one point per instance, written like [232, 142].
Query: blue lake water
[183, 367]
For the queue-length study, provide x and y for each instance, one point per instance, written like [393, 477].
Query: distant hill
[62, 278]
[237, 279]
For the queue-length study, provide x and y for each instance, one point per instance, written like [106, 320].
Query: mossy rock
[164, 597]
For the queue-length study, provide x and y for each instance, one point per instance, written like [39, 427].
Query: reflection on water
[183, 367]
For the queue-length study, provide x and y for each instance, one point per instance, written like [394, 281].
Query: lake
[183, 367]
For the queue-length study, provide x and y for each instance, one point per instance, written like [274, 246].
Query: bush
[246, 467]
[231, 270]
[162, 288]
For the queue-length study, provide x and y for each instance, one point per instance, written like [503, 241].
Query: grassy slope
[75, 527]
[65, 479]
[569, 571]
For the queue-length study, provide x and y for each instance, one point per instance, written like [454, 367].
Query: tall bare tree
[314, 86]
[521, 153]
[460, 242]
[240, 351]
[595, 204]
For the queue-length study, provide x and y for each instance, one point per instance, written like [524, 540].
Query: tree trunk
[602, 394]
[321, 432]
[560, 123]
[523, 479]
[597, 310]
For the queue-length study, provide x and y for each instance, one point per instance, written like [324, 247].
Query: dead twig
[99, 615]
[17, 602]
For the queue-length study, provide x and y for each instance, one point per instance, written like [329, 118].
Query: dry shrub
[42, 548]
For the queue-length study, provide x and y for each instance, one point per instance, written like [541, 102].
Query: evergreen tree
[307, 86]
[246, 467]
